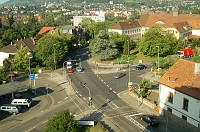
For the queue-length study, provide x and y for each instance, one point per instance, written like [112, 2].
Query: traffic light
[90, 101]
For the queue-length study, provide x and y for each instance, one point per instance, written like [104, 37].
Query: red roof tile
[126, 25]
[45, 30]
[182, 78]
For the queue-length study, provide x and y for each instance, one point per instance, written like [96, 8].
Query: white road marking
[107, 86]
[59, 102]
[114, 92]
[66, 98]
[84, 98]
[135, 114]
[31, 128]
[76, 91]
[80, 95]
[44, 121]
[110, 88]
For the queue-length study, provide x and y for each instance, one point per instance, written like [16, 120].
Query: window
[170, 98]
[199, 113]
[169, 109]
[184, 117]
[185, 104]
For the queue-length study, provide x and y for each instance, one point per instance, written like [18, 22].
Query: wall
[193, 113]
[3, 56]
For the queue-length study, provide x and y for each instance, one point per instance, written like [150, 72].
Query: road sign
[139, 91]
[47, 87]
[32, 76]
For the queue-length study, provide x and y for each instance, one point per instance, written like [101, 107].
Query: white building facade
[179, 104]
[78, 19]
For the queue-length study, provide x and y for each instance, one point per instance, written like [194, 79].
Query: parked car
[70, 70]
[12, 74]
[119, 75]
[140, 67]
[79, 69]
[151, 120]
[18, 96]
[12, 109]
[21, 102]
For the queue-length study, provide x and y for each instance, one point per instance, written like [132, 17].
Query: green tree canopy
[21, 59]
[156, 37]
[48, 47]
[103, 47]
[62, 121]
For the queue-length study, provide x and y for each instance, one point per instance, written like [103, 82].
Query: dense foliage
[103, 47]
[156, 38]
[62, 121]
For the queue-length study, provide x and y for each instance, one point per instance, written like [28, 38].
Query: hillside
[37, 2]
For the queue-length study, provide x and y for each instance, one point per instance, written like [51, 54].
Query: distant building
[181, 25]
[179, 91]
[66, 29]
[46, 30]
[12, 49]
[78, 19]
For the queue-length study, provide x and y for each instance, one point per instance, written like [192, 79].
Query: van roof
[20, 99]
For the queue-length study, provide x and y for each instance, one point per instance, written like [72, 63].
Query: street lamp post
[158, 58]
[29, 57]
[54, 55]
[129, 75]
[138, 92]
[64, 67]
[90, 98]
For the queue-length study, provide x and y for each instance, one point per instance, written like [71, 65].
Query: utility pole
[54, 56]
[158, 58]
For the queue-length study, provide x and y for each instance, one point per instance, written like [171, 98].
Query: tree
[62, 121]
[156, 36]
[48, 47]
[9, 36]
[103, 47]
[21, 59]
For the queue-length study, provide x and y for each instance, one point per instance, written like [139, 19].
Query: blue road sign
[138, 91]
[32, 76]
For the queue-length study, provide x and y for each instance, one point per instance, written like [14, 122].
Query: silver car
[119, 75]
[79, 69]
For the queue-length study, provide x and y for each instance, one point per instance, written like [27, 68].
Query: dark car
[119, 75]
[151, 120]
[140, 67]
[79, 69]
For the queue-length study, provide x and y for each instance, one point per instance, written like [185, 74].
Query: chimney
[197, 68]
[168, 79]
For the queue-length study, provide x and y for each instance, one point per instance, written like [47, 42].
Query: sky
[2, 1]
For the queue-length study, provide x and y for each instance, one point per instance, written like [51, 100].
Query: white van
[21, 102]
[12, 109]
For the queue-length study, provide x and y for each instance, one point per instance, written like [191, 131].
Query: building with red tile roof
[12, 49]
[46, 30]
[181, 25]
[179, 90]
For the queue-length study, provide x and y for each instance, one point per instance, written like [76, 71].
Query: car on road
[70, 70]
[151, 120]
[140, 67]
[119, 75]
[79, 69]
[9, 108]
[12, 74]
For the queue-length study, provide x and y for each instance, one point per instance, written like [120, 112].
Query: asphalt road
[103, 89]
